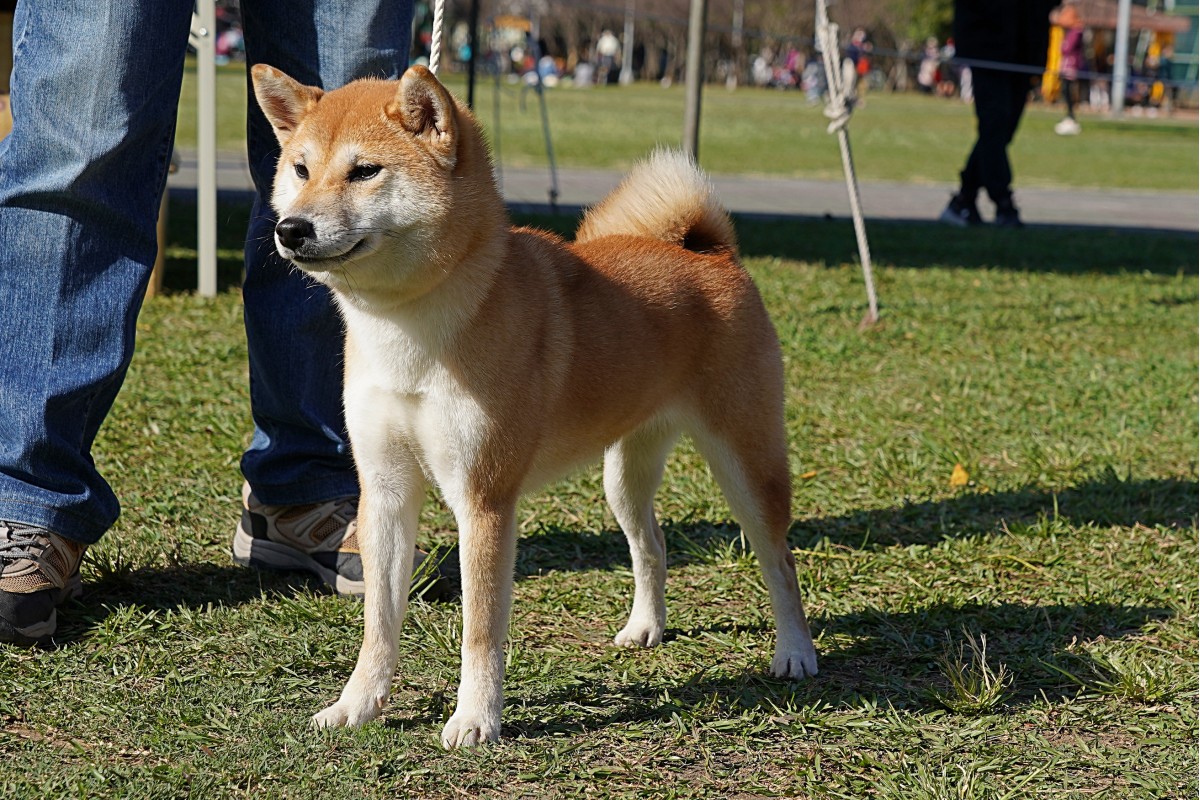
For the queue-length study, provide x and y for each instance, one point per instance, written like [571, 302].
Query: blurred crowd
[932, 69]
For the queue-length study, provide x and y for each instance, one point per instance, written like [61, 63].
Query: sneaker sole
[265, 554]
[42, 633]
[948, 217]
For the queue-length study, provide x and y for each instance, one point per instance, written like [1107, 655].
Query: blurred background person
[1005, 42]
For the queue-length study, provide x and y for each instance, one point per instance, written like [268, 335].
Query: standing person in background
[859, 52]
[95, 92]
[607, 48]
[1005, 42]
[927, 71]
[1067, 17]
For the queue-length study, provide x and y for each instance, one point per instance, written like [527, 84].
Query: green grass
[757, 131]
[1058, 367]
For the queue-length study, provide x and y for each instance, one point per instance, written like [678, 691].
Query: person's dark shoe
[320, 538]
[960, 213]
[39, 571]
[1007, 216]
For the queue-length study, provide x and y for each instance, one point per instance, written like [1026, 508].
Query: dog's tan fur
[487, 361]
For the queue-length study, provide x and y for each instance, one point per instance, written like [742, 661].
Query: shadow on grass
[920, 243]
[1105, 501]
[893, 661]
[1035, 248]
[906, 244]
[868, 658]
[191, 586]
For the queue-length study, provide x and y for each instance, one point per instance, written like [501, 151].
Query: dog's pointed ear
[425, 109]
[283, 100]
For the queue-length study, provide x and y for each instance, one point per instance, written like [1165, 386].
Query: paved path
[528, 189]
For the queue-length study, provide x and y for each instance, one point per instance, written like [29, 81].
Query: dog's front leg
[387, 531]
[487, 548]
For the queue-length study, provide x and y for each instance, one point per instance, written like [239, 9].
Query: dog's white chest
[399, 395]
[399, 357]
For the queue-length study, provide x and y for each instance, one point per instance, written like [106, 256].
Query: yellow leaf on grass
[960, 476]
[812, 473]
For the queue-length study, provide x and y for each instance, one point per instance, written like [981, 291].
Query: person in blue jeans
[95, 90]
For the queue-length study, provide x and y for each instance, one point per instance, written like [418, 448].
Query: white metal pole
[1121, 59]
[695, 76]
[205, 40]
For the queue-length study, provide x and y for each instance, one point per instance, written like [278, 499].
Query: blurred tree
[925, 18]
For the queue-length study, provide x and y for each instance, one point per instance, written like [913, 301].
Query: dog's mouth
[324, 262]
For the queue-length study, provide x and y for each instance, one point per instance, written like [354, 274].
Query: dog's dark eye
[364, 172]
[302, 172]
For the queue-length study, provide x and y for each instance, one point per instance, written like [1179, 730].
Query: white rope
[839, 105]
[435, 46]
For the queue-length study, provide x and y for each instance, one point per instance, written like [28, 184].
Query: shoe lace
[19, 541]
[319, 521]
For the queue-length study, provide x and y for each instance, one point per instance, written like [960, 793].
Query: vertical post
[473, 43]
[1121, 59]
[535, 35]
[739, 63]
[206, 140]
[626, 76]
[694, 77]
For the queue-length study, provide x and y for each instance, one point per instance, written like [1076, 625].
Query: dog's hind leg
[748, 457]
[387, 532]
[487, 535]
[633, 468]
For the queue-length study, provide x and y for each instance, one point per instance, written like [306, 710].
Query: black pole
[473, 43]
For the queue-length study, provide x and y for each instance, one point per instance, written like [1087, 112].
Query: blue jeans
[95, 89]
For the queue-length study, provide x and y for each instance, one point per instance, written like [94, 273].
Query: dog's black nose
[294, 231]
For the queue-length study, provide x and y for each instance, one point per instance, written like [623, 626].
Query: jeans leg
[300, 452]
[95, 89]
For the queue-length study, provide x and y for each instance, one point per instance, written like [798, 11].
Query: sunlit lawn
[759, 131]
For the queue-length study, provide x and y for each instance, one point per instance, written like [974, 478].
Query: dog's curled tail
[665, 197]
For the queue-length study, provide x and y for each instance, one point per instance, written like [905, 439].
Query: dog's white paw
[795, 663]
[640, 633]
[467, 729]
[644, 629]
[343, 714]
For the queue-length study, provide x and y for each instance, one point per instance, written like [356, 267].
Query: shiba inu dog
[487, 361]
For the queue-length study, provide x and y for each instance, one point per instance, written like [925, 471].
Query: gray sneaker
[321, 538]
[39, 571]
[960, 213]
